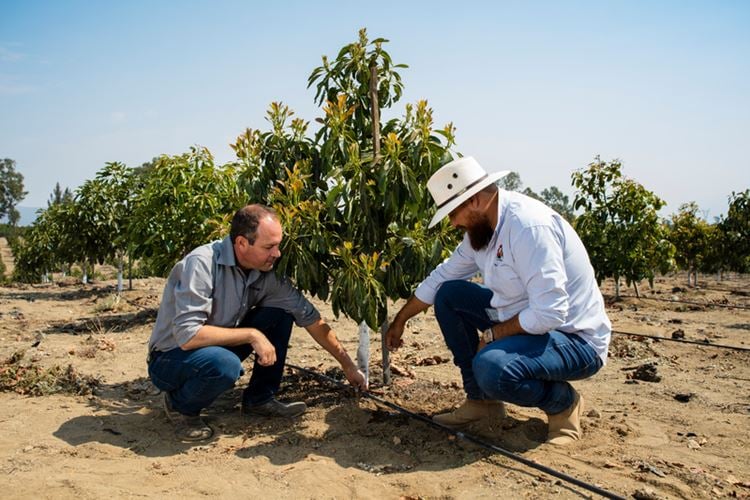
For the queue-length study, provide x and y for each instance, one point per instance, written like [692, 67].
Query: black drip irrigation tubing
[703, 304]
[509, 454]
[697, 342]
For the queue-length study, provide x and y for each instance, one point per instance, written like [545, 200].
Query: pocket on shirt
[505, 282]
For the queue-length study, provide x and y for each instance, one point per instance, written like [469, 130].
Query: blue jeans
[195, 378]
[527, 370]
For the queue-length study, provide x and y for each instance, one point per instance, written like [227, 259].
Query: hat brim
[450, 206]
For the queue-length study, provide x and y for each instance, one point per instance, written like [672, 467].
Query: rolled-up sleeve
[538, 252]
[193, 299]
[461, 265]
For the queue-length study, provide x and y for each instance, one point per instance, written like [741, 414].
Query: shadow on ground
[354, 432]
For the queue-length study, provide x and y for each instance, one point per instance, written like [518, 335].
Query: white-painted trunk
[363, 350]
[119, 277]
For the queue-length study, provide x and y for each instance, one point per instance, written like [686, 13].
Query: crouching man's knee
[495, 376]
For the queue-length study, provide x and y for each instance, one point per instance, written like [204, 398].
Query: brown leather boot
[565, 427]
[472, 410]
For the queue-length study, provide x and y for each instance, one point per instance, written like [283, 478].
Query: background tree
[182, 204]
[735, 228]
[59, 195]
[104, 206]
[714, 257]
[690, 235]
[43, 248]
[558, 201]
[11, 190]
[551, 196]
[619, 225]
[512, 182]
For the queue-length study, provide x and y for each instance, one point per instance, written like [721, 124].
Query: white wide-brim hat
[456, 182]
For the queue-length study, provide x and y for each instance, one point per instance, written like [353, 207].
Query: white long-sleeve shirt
[537, 267]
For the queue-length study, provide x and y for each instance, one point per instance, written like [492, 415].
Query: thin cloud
[118, 116]
[10, 86]
[8, 55]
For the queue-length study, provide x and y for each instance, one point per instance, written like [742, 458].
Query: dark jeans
[195, 378]
[527, 370]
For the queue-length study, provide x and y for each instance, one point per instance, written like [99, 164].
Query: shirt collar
[502, 203]
[226, 253]
[226, 258]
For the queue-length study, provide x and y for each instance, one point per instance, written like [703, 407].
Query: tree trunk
[363, 350]
[119, 276]
[617, 288]
[130, 270]
[635, 287]
[386, 353]
[375, 112]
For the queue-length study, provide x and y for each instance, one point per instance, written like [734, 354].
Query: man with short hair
[221, 303]
[539, 310]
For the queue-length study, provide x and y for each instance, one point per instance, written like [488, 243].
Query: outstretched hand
[356, 378]
[393, 335]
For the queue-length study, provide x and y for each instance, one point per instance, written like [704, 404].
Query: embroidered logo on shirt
[500, 252]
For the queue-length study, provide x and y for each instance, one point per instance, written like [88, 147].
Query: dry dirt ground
[664, 419]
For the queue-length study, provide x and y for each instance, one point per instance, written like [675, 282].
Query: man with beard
[221, 303]
[539, 310]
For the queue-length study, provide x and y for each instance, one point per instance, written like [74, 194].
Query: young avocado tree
[281, 168]
[104, 205]
[619, 225]
[177, 206]
[39, 252]
[691, 237]
[735, 229]
[378, 174]
[353, 201]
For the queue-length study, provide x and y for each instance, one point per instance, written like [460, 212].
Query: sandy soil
[664, 419]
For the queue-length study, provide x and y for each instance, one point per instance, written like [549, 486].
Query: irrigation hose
[506, 453]
[703, 304]
[696, 342]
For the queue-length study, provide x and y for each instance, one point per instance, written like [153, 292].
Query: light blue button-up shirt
[537, 267]
[208, 287]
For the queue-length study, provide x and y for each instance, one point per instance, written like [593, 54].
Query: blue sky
[537, 87]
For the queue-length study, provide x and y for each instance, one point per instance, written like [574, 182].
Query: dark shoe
[275, 408]
[186, 427]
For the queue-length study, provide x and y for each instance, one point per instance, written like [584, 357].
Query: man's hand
[264, 350]
[356, 378]
[393, 336]
[395, 330]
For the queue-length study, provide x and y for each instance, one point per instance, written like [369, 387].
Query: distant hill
[28, 216]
